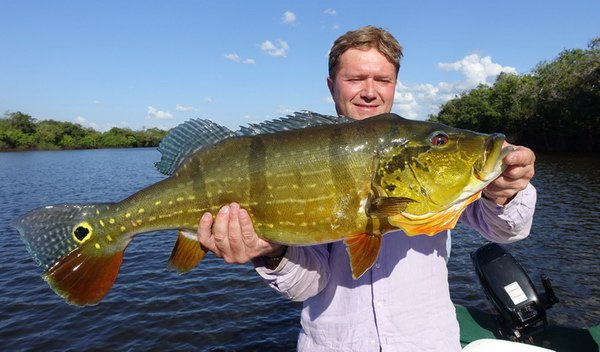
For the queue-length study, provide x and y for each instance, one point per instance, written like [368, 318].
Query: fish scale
[305, 180]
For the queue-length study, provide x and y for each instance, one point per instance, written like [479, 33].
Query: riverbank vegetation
[19, 131]
[555, 108]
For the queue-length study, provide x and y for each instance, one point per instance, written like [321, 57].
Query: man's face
[364, 85]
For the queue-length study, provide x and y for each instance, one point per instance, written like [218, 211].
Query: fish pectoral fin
[381, 207]
[187, 252]
[432, 223]
[83, 279]
[363, 250]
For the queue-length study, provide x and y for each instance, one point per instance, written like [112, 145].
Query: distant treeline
[555, 108]
[20, 131]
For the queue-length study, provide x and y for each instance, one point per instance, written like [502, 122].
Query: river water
[219, 307]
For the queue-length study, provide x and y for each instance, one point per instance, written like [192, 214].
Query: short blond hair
[366, 38]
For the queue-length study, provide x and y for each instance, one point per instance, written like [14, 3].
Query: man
[403, 301]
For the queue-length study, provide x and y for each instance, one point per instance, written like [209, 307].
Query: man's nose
[368, 91]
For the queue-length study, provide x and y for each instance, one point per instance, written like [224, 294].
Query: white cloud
[328, 100]
[208, 100]
[236, 58]
[183, 108]
[405, 103]
[157, 114]
[85, 123]
[477, 70]
[288, 17]
[331, 12]
[232, 57]
[284, 110]
[274, 50]
[417, 101]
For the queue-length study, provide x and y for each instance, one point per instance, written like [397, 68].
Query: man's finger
[220, 231]
[248, 234]
[236, 244]
[520, 156]
[205, 232]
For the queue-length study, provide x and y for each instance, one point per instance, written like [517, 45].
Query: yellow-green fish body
[305, 180]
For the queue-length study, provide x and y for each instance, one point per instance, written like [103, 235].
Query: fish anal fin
[363, 250]
[83, 279]
[381, 207]
[433, 223]
[187, 252]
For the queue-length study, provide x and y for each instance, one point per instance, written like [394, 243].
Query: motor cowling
[508, 287]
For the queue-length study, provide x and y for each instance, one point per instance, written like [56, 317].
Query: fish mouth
[491, 164]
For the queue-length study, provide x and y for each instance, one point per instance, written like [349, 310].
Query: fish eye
[438, 139]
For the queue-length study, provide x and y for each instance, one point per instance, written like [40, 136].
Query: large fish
[304, 180]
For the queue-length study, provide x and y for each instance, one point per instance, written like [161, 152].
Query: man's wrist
[272, 260]
[499, 200]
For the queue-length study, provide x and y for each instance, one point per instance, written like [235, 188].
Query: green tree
[21, 131]
[21, 122]
[555, 108]
[568, 107]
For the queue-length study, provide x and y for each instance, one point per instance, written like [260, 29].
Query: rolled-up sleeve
[302, 273]
[503, 224]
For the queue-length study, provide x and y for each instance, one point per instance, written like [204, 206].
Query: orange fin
[187, 252]
[363, 250]
[433, 223]
[83, 279]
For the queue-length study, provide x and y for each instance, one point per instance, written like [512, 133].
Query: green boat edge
[476, 324]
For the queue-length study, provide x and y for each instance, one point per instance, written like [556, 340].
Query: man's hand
[232, 236]
[515, 178]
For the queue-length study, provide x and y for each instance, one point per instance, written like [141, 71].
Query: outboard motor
[509, 289]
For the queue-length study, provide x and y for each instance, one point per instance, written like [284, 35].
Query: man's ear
[330, 84]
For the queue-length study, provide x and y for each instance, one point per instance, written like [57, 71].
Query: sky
[143, 63]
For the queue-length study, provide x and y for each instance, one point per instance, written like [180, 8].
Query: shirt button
[377, 266]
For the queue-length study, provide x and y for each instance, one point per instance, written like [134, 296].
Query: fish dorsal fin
[195, 134]
[186, 139]
[297, 121]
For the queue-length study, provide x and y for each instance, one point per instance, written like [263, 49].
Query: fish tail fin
[81, 279]
[187, 252]
[81, 253]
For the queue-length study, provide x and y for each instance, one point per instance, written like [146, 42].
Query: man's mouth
[366, 107]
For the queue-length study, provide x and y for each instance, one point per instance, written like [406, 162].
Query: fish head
[436, 166]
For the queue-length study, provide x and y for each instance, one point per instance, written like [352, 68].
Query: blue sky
[142, 64]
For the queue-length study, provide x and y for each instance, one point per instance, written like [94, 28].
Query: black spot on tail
[81, 232]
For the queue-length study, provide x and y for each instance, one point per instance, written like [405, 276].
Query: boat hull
[476, 324]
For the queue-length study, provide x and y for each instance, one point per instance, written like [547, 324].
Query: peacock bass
[305, 179]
